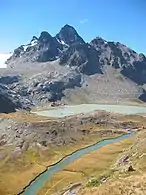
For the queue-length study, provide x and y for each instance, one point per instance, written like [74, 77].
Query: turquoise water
[61, 112]
[36, 185]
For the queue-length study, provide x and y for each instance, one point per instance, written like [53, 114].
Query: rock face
[6, 80]
[131, 64]
[82, 56]
[42, 49]
[6, 105]
[56, 67]
[68, 36]
[47, 88]
[9, 101]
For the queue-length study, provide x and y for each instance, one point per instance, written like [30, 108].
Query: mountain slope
[99, 70]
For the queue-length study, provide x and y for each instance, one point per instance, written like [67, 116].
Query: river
[60, 112]
[40, 181]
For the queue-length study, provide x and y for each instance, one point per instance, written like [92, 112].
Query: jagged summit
[49, 48]
[45, 37]
[68, 35]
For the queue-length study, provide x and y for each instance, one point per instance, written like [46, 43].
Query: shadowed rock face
[9, 79]
[68, 35]
[48, 48]
[119, 56]
[6, 105]
[137, 72]
[10, 100]
[82, 56]
[143, 96]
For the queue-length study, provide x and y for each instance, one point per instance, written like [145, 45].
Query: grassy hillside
[92, 170]
[124, 182]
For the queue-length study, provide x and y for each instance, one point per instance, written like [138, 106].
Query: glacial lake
[70, 110]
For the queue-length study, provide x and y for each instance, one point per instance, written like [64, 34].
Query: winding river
[38, 183]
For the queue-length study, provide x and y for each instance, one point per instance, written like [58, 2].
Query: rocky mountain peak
[99, 40]
[68, 35]
[45, 37]
[142, 57]
[99, 43]
[77, 66]
[71, 50]
[34, 40]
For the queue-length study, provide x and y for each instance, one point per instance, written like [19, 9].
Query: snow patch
[58, 40]
[3, 59]
[33, 43]
[25, 47]
[62, 42]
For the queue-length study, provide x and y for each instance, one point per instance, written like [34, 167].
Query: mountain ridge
[99, 70]
[49, 48]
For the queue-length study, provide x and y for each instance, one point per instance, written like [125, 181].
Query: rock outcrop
[9, 101]
[83, 57]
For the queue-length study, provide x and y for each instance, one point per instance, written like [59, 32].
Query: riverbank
[93, 165]
[121, 182]
[34, 161]
[21, 164]
[74, 153]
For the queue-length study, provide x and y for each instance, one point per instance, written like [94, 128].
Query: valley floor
[105, 171]
[19, 167]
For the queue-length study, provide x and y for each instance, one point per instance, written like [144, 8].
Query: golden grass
[95, 164]
[24, 117]
[57, 182]
[12, 182]
[133, 183]
[23, 169]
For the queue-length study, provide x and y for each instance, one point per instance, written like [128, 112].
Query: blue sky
[118, 20]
